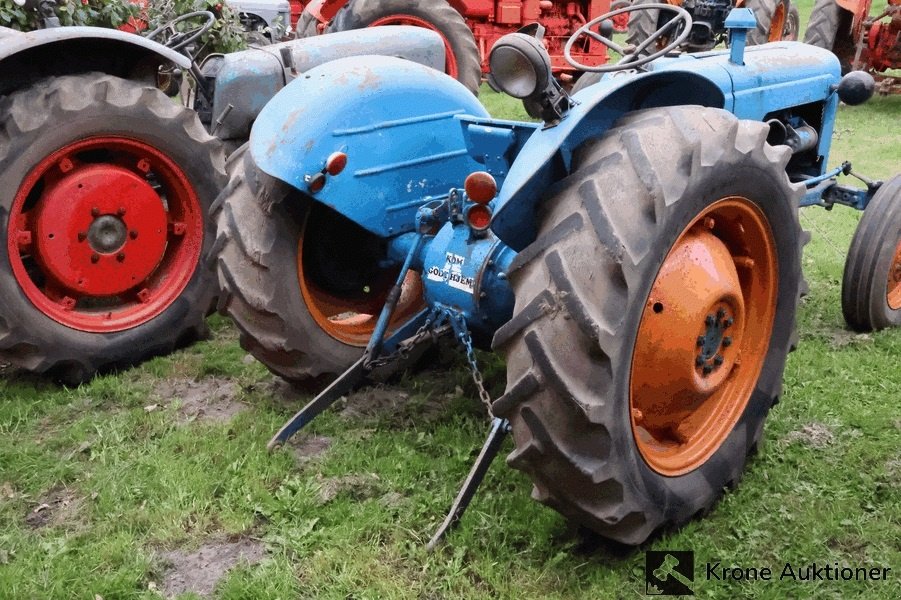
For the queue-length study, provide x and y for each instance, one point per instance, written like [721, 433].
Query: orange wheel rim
[703, 336]
[352, 321]
[777, 25]
[894, 280]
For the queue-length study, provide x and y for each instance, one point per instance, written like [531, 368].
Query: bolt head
[727, 341]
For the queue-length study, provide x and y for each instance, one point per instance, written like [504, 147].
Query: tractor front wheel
[462, 59]
[305, 300]
[106, 184]
[652, 320]
[871, 286]
[830, 28]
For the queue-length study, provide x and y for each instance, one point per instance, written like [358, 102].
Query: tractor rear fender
[245, 81]
[27, 57]
[547, 155]
[395, 122]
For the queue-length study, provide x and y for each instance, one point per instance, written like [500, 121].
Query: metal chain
[466, 340]
[404, 347]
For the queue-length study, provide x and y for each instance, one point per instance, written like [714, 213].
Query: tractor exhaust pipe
[799, 139]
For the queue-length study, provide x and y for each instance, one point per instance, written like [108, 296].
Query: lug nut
[728, 322]
[95, 212]
[120, 257]
[718, 360]
[699, 361]
[720, 313]
[133, 234]
[121, 211]
[727, 341]
[701, 341]
[82, 236]
[710, 320]
[95, 258]
[707, 370]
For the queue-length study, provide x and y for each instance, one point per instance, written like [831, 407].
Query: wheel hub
[703, 336]
[107, 234]
[89, 242]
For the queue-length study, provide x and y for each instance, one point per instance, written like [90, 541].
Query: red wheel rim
[105, 234]
[450, 61]
[894, 280]
[703, 337]
[777, 25]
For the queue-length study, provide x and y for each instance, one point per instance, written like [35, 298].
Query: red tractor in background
[861, 41]
[469, 27]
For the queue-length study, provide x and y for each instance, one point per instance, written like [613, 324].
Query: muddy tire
[307, 26]
[772, 16]
[642, 23]
[585, 80]
[463, 61]
[95, 277]
[830, 28]
[792, 30]
[589, 293]
[267, 238]
[871, 286]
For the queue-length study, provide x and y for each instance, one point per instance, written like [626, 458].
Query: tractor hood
[395, 122]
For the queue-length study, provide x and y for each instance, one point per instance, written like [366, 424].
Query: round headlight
[519, 65]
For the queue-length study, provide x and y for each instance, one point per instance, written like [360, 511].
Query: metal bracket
[491, 447]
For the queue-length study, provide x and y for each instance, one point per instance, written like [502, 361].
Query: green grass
[140, 480]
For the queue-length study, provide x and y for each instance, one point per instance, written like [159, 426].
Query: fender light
[478, 217]
[480, 187]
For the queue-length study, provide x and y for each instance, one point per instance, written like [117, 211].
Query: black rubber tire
[792, 31]
[581, 287]
[585, 80]
[357, 14]
[46, 116]
[642, 24]
[307, 26]
[763, 12]
[869, 262]
[829, 27]
[823, 26]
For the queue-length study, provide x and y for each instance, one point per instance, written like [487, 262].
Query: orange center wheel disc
[777, 25]
[894, 280]
[350, 317]
[703, 336]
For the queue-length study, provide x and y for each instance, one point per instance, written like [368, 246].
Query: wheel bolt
[82, 236]
[710, 320]
[65, 165]
[709, 223]
[699, 361]
[133, 234]
[718, 360]
[95, 212]
[120, 257]
[95, 258]
[23, 239]
[728, 322]
[144, 295]
[720, 314]
[121, 211]
[707, 370]
[144, 165]
[701, 341]
[727, 341]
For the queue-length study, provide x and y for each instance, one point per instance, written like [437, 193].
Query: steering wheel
[631, 54]
[176, 40]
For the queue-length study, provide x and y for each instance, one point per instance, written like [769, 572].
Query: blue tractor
[634, 256]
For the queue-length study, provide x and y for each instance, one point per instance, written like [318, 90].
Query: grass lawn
[157, 480]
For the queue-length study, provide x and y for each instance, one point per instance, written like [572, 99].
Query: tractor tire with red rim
[871, 286]
[652, 320]
[307, 26]
[772, 17]
[792, 30]
[462, 55]
[305, 300]
[106, 187]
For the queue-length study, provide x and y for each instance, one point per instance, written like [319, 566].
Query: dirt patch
[199, 571]
[841, 338]
[205, 400]
[309, 447]
[893, 470]
[814, 435]
[394, 405]
[59, 506]
[358, 487]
